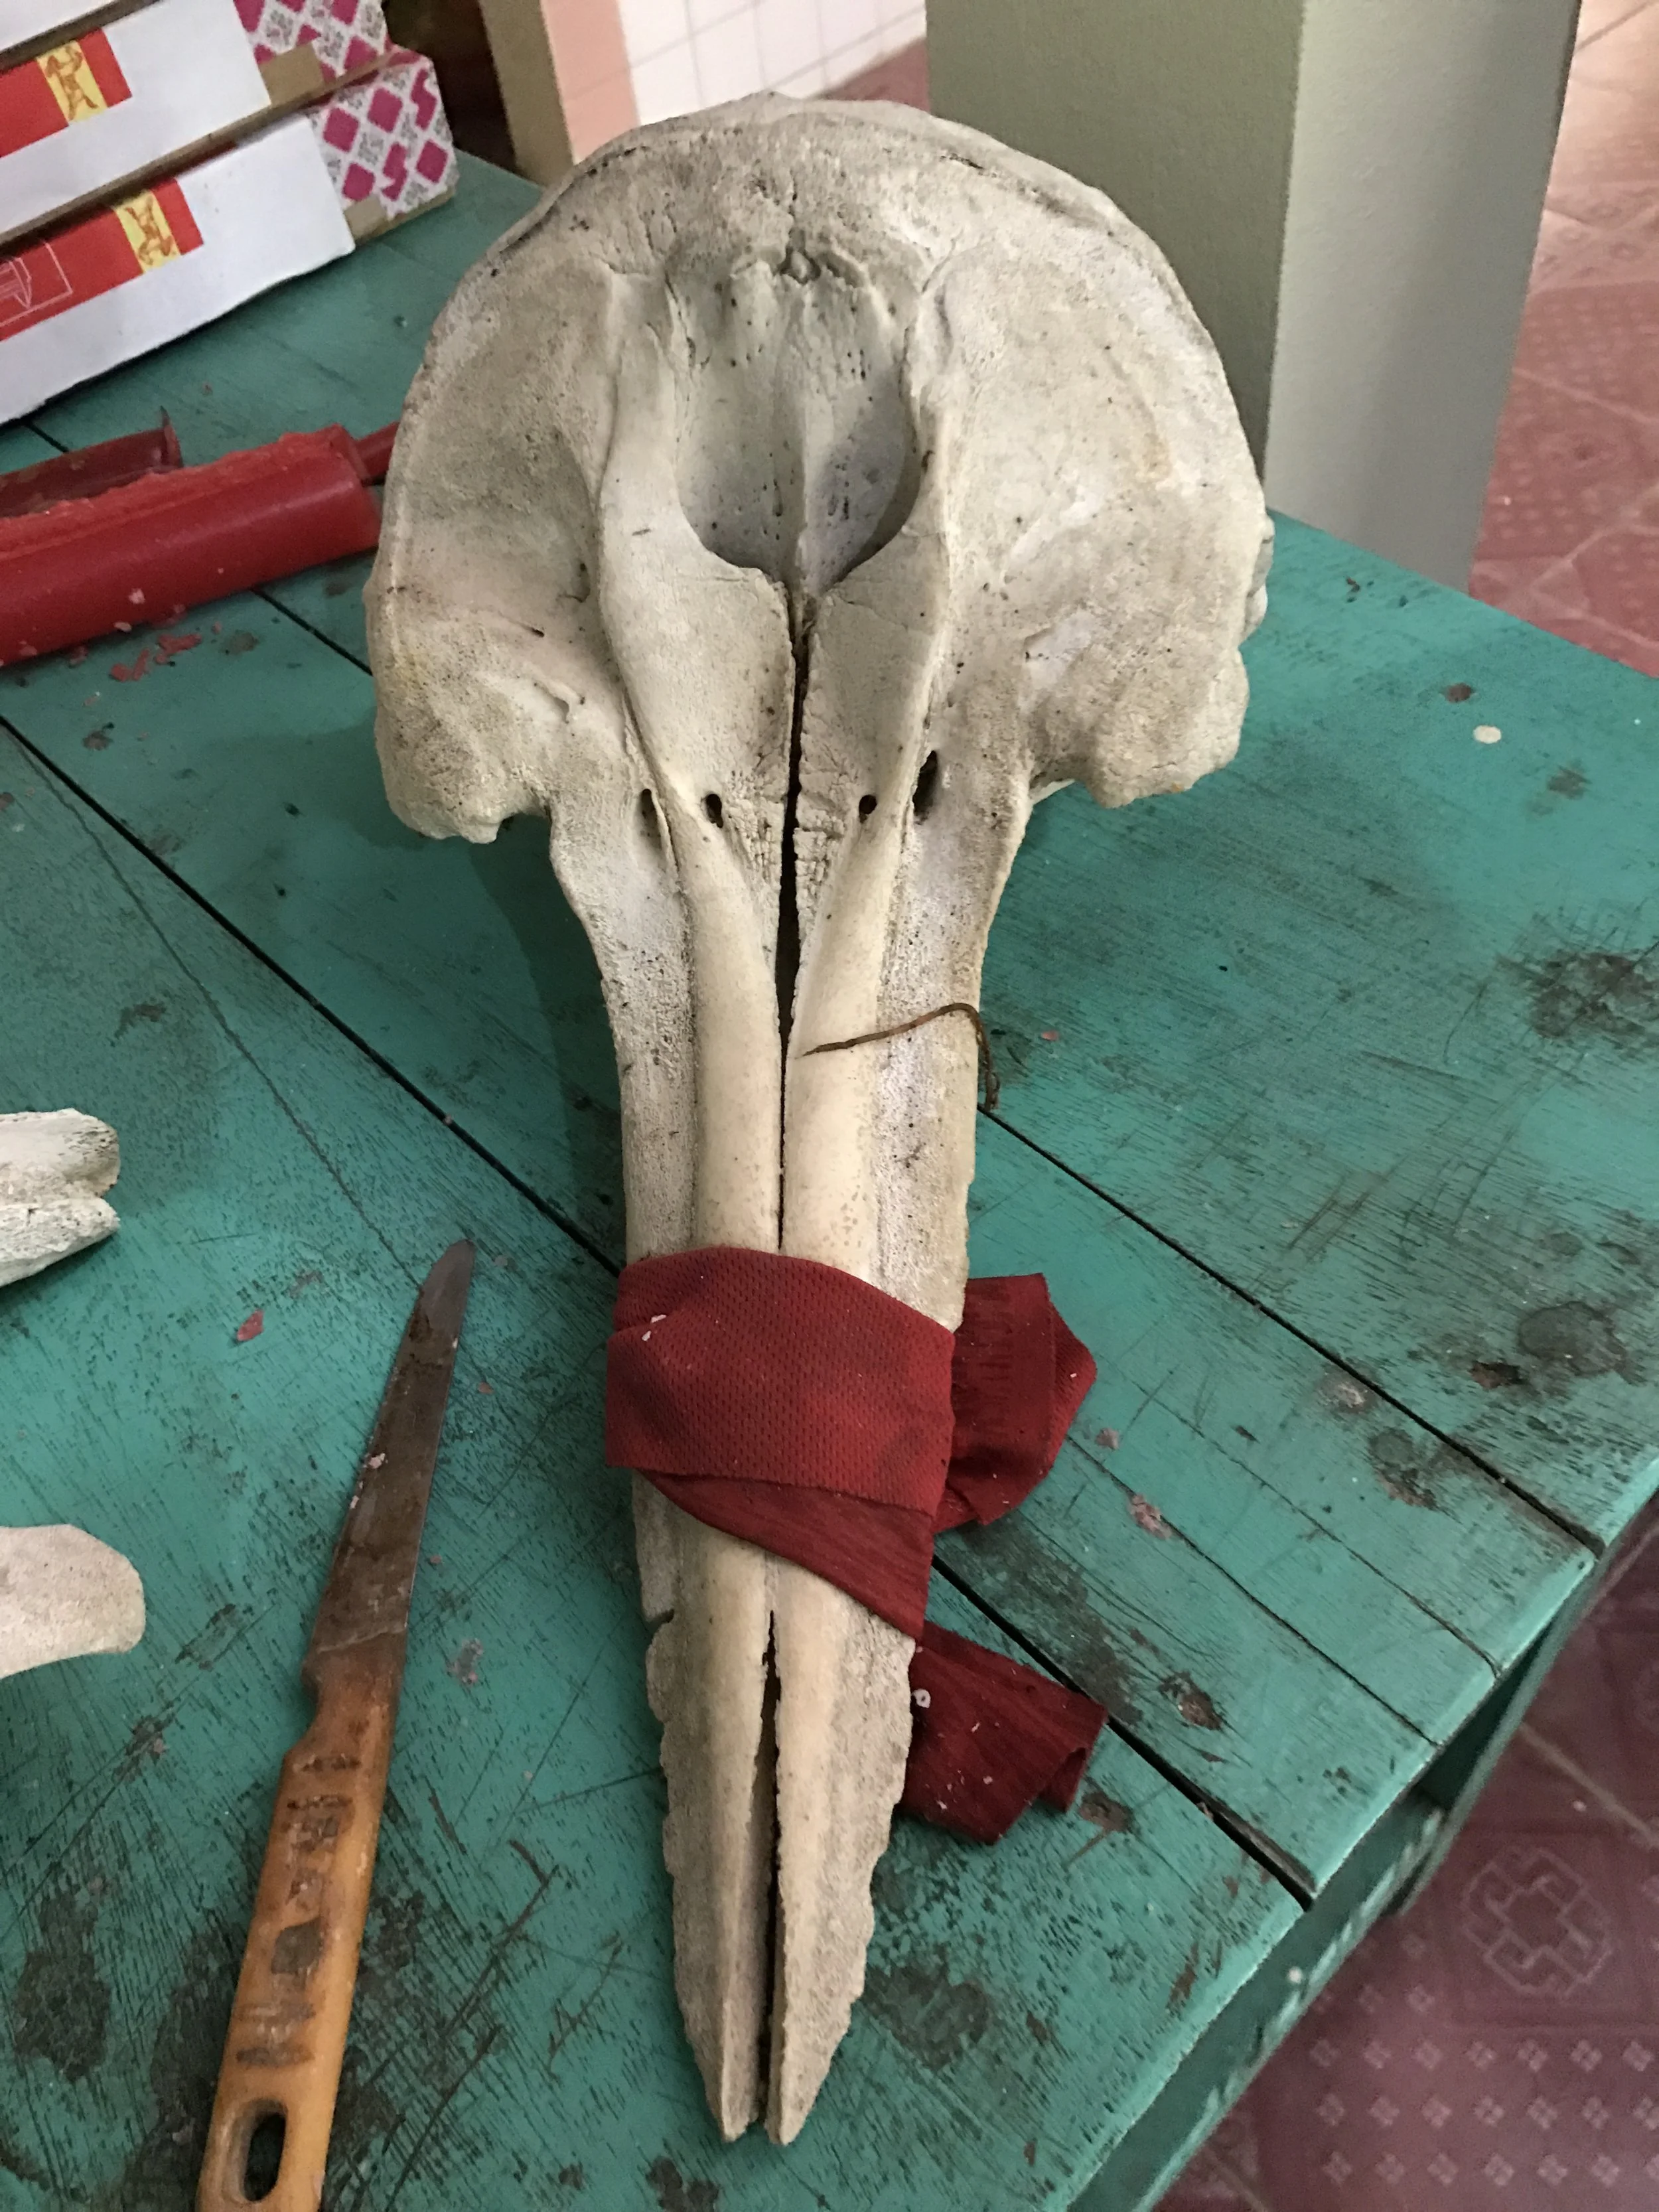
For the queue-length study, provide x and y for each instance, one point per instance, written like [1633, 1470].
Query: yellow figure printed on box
[149, 232]
[69, 76]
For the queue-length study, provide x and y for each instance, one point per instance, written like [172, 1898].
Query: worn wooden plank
[248, 762]
[1218, 2070]
[1370, 1022]
[1296, 1577]
[515, 2034]
[1222, 1471]
[21, 446]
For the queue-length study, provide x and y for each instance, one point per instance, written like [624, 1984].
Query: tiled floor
[1498, 2045]
[1571, 538]
[902, 76]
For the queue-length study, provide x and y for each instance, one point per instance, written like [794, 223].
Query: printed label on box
[163, 87]
[80, 79]
[345, 35]
[388, 139]
[109, 248]
[100, 113]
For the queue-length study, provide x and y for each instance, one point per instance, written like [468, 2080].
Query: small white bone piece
[63, 1595]
[53, 1170]
[793, 499]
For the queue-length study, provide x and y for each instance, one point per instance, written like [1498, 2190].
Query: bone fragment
[53, 1170]
[63, 1595]
[793, 499]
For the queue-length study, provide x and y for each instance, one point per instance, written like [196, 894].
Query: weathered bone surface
[63, 1595]
[795, 497]
[54, 1168]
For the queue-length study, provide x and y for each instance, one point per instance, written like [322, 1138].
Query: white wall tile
[789, 39]
[684, 54]
[728, 59]
[805, 84]
[650, 27]
[845, 22]
[666, 84]
[853, 60]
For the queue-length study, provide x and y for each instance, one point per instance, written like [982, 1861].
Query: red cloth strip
[992, 1737]
[780, 1370]
[1017, 1378]
[793, 1406]
[882, 1555]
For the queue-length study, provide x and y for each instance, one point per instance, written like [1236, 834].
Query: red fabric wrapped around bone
[795, 1406]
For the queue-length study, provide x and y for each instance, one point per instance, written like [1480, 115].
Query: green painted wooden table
[1330, 1102]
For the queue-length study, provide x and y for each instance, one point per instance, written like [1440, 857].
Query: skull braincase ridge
[793, 498]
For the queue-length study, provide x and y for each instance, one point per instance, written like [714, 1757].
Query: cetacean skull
[785, 506]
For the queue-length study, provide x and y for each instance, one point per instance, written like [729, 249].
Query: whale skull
[793, 499]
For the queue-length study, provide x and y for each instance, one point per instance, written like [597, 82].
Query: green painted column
[1349, 190]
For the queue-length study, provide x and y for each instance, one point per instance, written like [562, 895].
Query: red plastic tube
[374, 452]
[92, 469]
[145, 551]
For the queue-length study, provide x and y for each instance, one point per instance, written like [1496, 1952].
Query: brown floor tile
[1616, 245]
[1512, 584]
[1615, 574]
[1603, 346]
[1595, 17]
[1625, 56]
[1565, 468]
[1607, 136]
[1498, 2045]
[902, 76]
[1595, 636]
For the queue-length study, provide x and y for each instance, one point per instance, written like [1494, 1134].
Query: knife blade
[273, 2107]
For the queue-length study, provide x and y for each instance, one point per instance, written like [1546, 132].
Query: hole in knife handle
[262, 2154]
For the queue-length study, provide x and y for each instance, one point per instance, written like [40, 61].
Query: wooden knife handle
[287, 2025]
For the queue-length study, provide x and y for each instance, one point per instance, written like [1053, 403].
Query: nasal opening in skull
[926, 787]
[798, 452]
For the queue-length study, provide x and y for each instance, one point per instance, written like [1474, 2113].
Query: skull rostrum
[796, 496]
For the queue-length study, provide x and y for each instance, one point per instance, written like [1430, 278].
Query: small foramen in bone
[794, 499]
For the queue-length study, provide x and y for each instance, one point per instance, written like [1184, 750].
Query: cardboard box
[159, 88]
[182, 250]
[30, 26]
[387, 146]
[169, 258]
